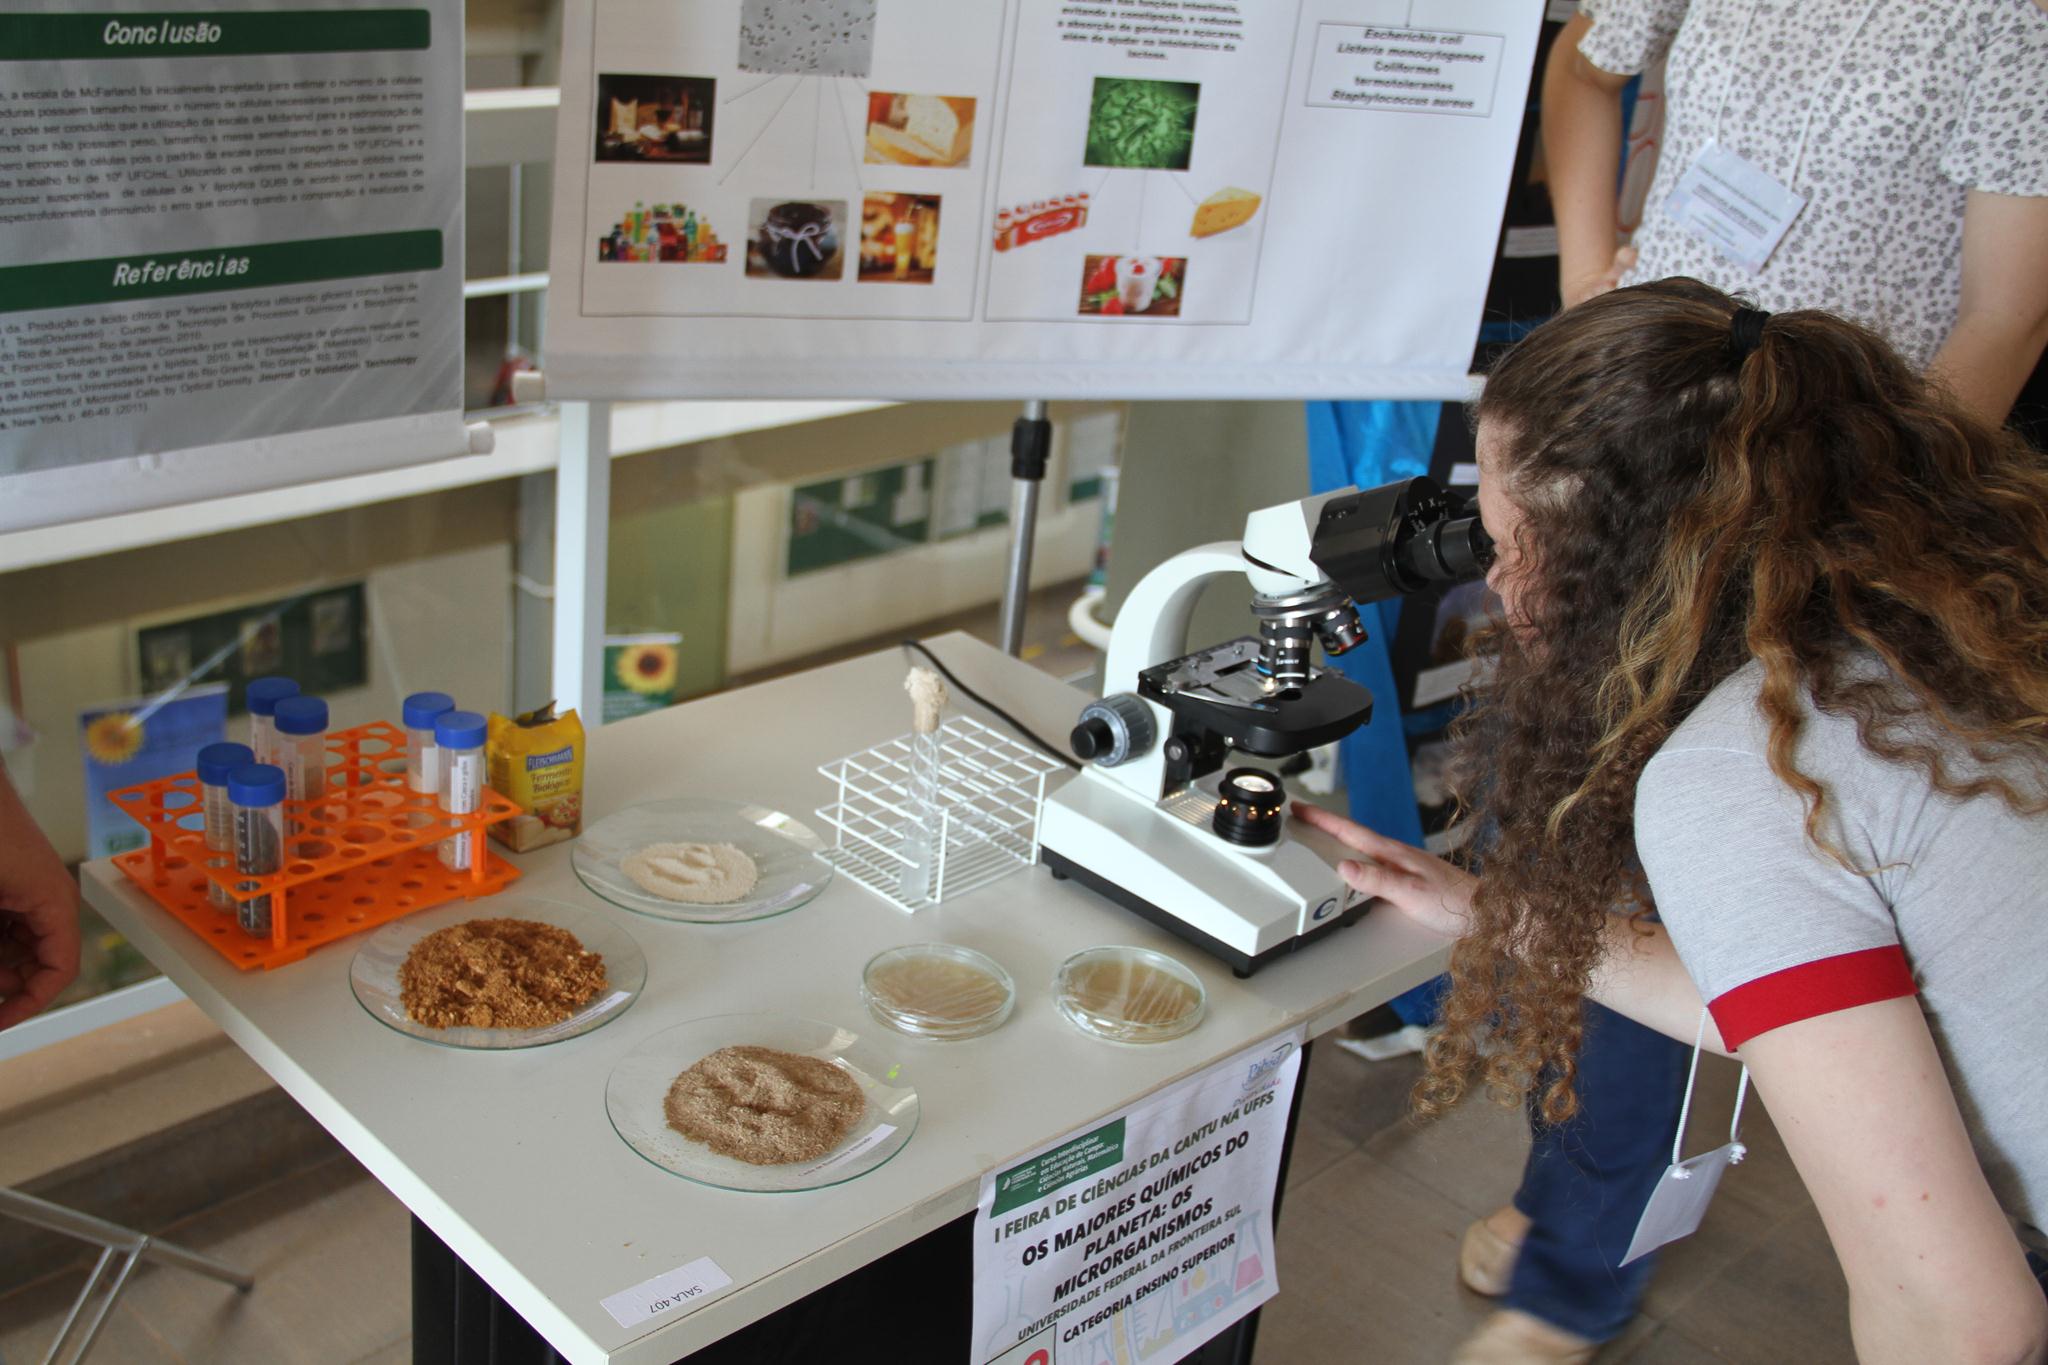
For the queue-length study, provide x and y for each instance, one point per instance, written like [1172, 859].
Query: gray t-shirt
[1884, 114]
[1774, 931]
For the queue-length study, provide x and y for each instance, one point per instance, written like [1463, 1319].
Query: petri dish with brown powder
[938, 990]
[759, 1102]
[523, 973]
[1129, 995]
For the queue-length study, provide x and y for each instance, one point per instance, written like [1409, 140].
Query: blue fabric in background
[1365, 444]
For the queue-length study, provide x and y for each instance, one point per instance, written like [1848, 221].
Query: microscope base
[1243, 965]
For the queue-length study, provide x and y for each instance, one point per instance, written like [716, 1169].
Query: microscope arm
[1152, 624]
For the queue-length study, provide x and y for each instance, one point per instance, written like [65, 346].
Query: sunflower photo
[126, 743]
[641, 673]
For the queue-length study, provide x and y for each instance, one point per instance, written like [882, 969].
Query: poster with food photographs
[1029, 198]
[232, 245]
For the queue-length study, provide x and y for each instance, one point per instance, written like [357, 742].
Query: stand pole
[1030, 444]
[583, 511]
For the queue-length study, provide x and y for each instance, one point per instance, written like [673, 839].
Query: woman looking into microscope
[1774, 664]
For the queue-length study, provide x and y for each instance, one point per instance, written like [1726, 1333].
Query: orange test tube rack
[364, 854]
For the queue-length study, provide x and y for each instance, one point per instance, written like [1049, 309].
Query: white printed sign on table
[230, 249]
[1145, 1235]
[1029, 199]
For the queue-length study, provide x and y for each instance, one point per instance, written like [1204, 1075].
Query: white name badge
[1733, 207]
[1680, 1200]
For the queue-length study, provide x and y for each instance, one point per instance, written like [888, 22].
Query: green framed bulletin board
[861, 516]
[318, 638]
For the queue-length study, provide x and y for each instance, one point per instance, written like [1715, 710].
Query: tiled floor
[1368, 1239]
[1376, 1204]
[329, 1249]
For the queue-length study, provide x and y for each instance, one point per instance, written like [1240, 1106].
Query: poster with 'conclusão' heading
[1029, 198]
[230, 248]
[1145, 1235]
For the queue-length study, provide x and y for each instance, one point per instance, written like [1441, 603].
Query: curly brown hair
[1690, 506]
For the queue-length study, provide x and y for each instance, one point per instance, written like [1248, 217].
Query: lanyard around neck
[1820, 90]
[1685, 1110]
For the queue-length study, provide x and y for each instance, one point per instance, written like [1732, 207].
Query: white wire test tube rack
[990, 790]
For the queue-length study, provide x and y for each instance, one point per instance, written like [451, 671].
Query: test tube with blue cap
[256, 794]
[422, 756]
[216, 764]
[459, 735]
[261, 697]
[302, 750]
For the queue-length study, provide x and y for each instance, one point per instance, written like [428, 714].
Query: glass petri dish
[373, 976]
[937, 990]
[784, 851]
[1129, 995]
[636, 1095]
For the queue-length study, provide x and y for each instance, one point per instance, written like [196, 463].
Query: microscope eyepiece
[1448, 551]
[1400, 538]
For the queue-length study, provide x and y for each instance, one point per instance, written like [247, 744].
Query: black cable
[985, 704]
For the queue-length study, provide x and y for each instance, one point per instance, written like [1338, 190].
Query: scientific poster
[1029, 198]
[1143, 1236]
[230, 248]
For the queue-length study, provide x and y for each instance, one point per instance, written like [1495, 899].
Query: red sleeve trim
[1810, 990]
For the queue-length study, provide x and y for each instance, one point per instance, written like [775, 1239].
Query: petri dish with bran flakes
[1129, 995]
[938, 990]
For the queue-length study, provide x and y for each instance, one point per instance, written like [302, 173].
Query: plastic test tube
[262, 697]
[217, 763]
[422, 758]
[256, 794]
[302, 750]
[459, 735]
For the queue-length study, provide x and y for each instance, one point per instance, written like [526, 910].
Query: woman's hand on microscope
[1418, 884]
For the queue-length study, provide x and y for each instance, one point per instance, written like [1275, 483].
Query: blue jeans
[1588, 1180]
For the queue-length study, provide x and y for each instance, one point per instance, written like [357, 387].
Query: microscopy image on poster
[808, 37]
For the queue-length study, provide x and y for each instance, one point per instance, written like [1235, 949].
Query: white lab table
[508, 1157]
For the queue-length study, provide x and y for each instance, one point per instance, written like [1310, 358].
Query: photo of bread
[1224, 210]
[919, 130]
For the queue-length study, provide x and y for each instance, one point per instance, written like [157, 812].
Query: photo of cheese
[1224, 210]
[919, 130]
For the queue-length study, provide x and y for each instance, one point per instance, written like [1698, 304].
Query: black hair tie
[1746, 333]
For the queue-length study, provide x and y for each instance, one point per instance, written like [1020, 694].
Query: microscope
[1153, 821]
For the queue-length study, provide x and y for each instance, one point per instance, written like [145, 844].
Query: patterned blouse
[1903, 106]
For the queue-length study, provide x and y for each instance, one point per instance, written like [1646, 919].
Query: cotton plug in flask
[302, 750]
[422, 755]
[256, 796]
[262, 697]
[459, 736]
[218, 763]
